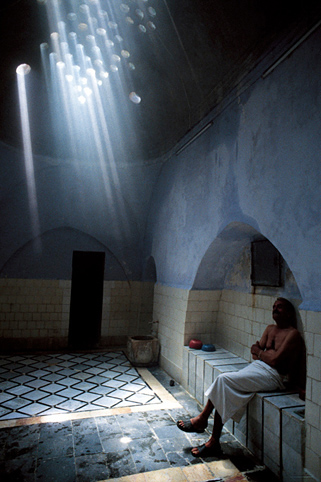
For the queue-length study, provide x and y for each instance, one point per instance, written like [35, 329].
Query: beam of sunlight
[94, 78]
[94, 35]
[61, 71]
[23, 70]
[88, 92]
[113, 182]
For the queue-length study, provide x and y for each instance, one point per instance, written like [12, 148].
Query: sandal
[204, 451]
[187, 426]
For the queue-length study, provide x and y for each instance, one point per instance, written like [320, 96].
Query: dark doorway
[86, 299]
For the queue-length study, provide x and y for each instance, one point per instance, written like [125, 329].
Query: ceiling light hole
[135, 98]
[112, 25]
[115, 58]
[103, 14]
[151, 25]
[139, 13]
[101, 31]
[152, 11]
[90, 38]
[96, 51]
[124, 8]
[84, 9]
[82, 27]
[23, 69]
[72, 16]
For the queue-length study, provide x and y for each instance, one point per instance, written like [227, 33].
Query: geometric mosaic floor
[139, 443]
[51, 384]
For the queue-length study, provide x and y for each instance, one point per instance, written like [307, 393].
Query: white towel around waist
[232, 391]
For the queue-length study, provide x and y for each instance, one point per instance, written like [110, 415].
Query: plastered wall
[255, 172]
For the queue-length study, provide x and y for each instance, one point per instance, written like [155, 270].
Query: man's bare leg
[200, 421]
[213, 442]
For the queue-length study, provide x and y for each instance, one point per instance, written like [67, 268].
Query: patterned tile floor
[52, 384]
[137, 443]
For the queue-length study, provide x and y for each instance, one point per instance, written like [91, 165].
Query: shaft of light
[98, 143]
[112, 185]
[28, 156]
[61, 71]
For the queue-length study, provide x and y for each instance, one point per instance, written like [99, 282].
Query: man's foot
[193, 425]
[209, 449]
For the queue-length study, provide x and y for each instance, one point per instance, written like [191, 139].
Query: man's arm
[260, 345]
[286, 353]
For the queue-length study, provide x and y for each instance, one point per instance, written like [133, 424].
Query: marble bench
[273, 426]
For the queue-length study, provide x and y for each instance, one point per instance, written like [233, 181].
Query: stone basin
[143, 351]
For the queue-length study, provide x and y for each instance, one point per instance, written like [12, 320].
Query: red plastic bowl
[195, 344]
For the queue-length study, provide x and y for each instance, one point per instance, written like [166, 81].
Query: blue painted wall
[77, 210]
[255, 173]
[259, 167]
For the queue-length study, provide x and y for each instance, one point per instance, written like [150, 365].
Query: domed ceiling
[129, 78]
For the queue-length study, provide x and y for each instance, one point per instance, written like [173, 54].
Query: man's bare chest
[275, 338]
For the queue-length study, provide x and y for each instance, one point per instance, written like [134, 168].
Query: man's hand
[256, 350]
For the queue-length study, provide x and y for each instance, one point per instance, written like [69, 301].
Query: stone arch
[218, 268]
[49, 256]
[226, 265]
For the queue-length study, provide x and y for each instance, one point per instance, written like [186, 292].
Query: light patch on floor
[222, 470]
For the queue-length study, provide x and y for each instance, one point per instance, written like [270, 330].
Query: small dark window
[266, 264]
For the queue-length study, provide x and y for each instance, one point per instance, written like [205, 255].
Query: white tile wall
[170, 306]
[241, 320]
[235, 320]
[181, 316]
[39, 309]
[312, 332]
[34, 309]
[201, 315]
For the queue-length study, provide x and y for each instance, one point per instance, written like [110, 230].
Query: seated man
[276, 356]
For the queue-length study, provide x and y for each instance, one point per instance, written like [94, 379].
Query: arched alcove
[227, 264]
[243, 310]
